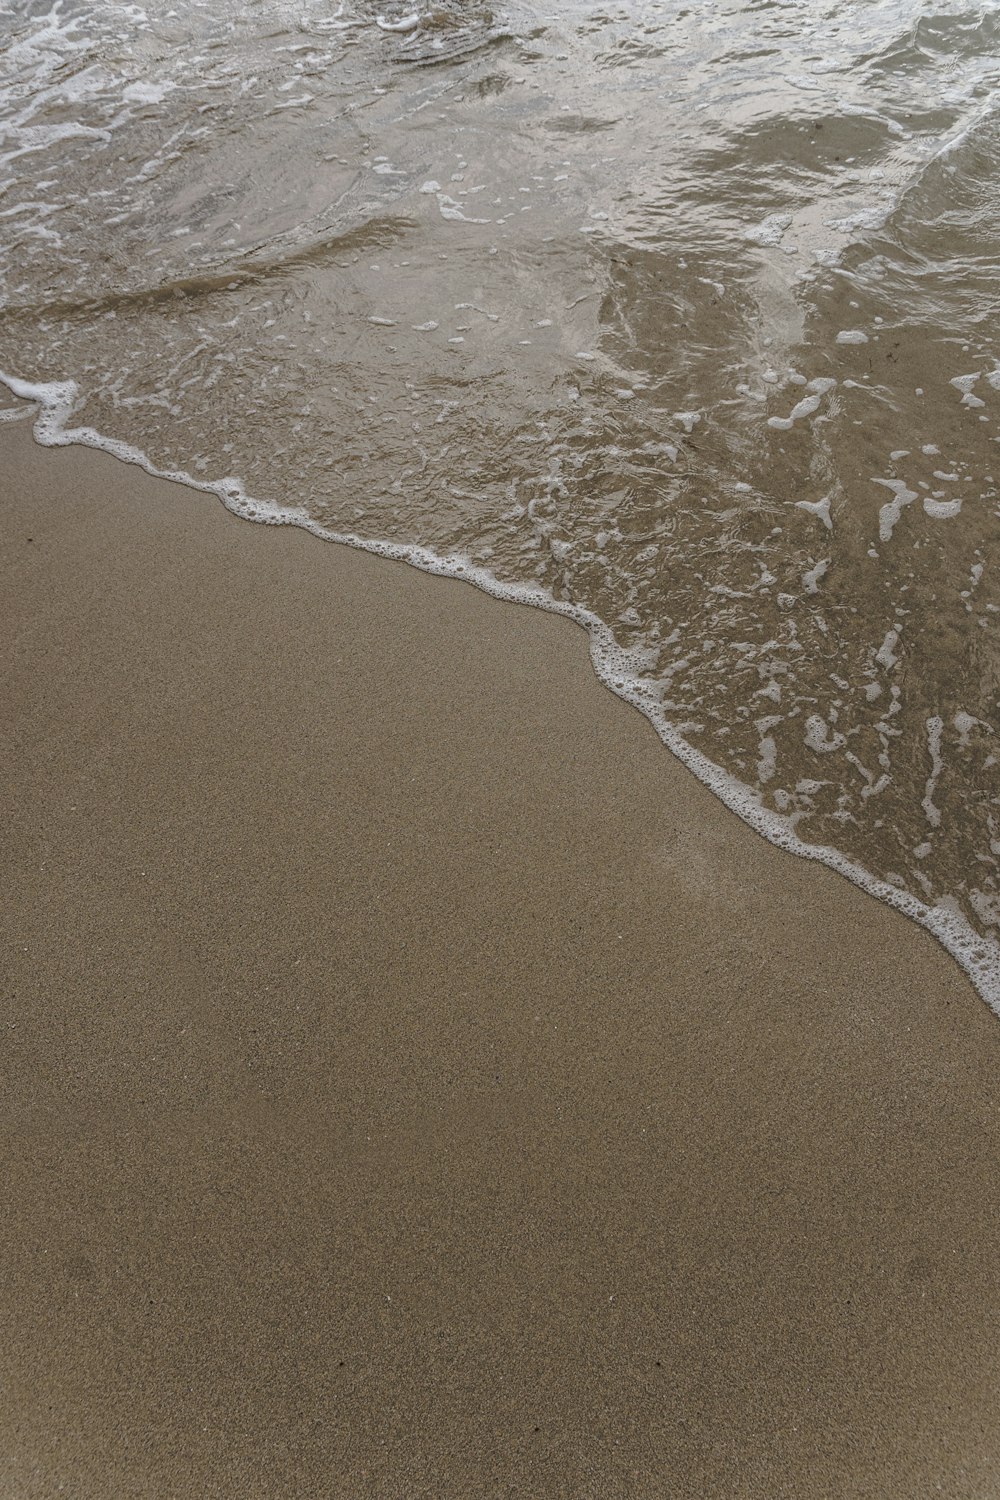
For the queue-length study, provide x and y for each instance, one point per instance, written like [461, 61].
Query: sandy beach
[416, 1084]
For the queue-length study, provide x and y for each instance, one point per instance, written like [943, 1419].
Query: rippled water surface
[683, 315]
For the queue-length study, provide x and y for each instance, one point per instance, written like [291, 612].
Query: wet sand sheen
[415, 1083]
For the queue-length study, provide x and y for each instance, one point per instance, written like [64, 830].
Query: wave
[258, 264]
[614, 665]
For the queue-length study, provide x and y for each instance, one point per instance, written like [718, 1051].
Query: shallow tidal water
[682, 319]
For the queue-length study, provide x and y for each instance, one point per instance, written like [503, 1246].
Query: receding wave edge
[979, 956]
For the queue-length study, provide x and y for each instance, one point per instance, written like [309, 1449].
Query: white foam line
[16, 413]
[978, 956]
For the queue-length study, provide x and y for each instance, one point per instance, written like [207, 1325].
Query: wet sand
[415, 1084]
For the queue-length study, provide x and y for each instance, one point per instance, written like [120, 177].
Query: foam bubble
[935, 729]
[405, 23]
[890, 512]
[804, 408]
[818, 508]
[885, 653]
[964, 383]
[941, 510]
[811, 578]
[770, 231]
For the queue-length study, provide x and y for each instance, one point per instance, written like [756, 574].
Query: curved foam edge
[978, 956]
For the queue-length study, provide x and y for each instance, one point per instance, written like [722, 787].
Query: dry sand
[416, 1084]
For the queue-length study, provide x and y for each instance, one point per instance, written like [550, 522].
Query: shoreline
[418, 1082]
[977, 955]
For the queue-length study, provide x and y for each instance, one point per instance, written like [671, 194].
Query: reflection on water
[682, 314]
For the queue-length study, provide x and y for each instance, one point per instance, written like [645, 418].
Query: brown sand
[415, 1084]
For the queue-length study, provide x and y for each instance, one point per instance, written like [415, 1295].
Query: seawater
[681, 320]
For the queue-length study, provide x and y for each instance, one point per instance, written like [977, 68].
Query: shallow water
[682, 318]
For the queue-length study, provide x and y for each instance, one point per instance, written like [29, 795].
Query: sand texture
[415, 1084]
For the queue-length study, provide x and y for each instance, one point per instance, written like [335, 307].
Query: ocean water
[679, 319]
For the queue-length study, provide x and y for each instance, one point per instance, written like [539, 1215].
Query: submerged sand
[415, 1083]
